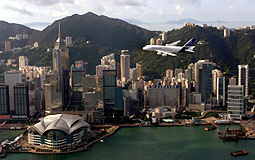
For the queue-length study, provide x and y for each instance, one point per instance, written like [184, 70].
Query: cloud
[179, 9]
[22, 11]
[194, 2]
[45, 2]
[127, 2]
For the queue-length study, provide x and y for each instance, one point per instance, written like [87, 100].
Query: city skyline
[150, 11]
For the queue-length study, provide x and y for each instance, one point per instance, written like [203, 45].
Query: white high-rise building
[164, 36]
[152, 41]
[243, 75]
[232, 81]
[226, 32]
[133, 74]
[109, 60]
[236, 106]
[215, 74]
[23, 61]
[124, 65]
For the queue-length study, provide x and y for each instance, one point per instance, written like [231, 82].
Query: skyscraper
[139, 71]
[215, 74]
[124, 65]
[232, 81]
[169, 73]
[221, 90]
[23, 61]
[204, 80]
[11, 79]
[236, 106]
[60, 55]
[4, 100]
[243, 73]
[21, 101]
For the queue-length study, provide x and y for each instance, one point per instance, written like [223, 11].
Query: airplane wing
[166, 53]
[174, 43]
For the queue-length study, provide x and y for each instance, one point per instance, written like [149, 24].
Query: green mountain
[227, 53]
[106, 35]
[11, 29]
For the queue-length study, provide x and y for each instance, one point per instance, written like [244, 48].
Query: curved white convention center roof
[64, 122]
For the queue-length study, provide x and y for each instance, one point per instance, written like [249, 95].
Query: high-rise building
[124, 65]
[191, 73]
[221, 91]
[204, 81]
[232, 81]
[21, 102]
[139, 71]
[23, 61]
[236, 107]
[4, 101]
[158, 41]
[152, 41]
[60, 55]
[243, 74]
[69, 41]
[133, 74]
[177, 71]
[112, 95]
[169, 73]
[7, 46]
[164, 36]
[100, 68]
[215, 74]
[226, 32]
[11, 79]
[109, 60]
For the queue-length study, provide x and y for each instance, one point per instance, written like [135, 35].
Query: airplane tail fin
[190, 42]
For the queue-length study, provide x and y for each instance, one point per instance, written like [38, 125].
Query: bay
[155, 143]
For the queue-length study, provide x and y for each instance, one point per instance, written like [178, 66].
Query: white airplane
[171, 49]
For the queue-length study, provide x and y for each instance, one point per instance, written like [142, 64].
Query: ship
[239, 153]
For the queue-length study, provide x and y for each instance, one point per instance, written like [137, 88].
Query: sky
[152, 11]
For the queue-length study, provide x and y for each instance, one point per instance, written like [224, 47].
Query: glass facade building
[21, 101]
[4, 100]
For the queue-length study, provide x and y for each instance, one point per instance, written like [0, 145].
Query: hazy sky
[24, 11]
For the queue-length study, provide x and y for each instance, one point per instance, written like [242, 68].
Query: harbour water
[145, 143]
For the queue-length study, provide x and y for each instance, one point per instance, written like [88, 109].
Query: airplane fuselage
[172, 49]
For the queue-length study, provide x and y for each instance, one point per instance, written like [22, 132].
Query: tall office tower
[177, 71]
[118, 74]
[215, 74]
[11, 79]
[221, 91]
[196, 68]
[204, 82]
[60, 55]
[124, 65]
[112, 95]
[152, 41]
[164, 36]
[4, 101]
[7, 46]
[21, 101]
[236, 107]
[133, 74]
[232, 81]
[23, 61]
[243, 74]
[69, 41]
[169, 73]
[139, 71]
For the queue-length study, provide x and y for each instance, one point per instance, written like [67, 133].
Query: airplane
[172, 48]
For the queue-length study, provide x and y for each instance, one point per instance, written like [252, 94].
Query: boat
[210, 128]
[240, 153]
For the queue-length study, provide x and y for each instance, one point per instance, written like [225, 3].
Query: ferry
[210, 128]
[239, 153]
